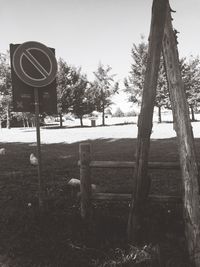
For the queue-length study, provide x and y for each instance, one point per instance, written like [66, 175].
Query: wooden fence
[86, 164]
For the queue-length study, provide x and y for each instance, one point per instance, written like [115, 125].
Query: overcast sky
[85, 32]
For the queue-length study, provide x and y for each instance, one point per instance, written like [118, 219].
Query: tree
[191, 77]
[162, 92]
[64, 88]
[5, 88]
[135, 82]
[131, 113]
[3, 109]
[83, 99]
[74, 91]
[118, 113]
[104, 88]
[26, 118]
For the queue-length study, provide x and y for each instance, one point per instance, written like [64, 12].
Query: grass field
[116, 128]
[59, 237]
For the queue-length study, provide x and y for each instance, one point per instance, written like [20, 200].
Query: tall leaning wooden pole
[141, 181]
[188, 162]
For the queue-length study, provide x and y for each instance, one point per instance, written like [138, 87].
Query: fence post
[85, 180]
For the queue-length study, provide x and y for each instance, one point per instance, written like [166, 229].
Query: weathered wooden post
[141, 181]
[85, 158]
[189, 167]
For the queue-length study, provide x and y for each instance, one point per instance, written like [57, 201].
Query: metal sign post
[37, 124]
[35, 64]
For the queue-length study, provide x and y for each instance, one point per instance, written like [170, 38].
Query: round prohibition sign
[35, 64]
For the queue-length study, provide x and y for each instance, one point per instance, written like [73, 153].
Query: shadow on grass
[53, 127]
[54, 155]
[60, 237]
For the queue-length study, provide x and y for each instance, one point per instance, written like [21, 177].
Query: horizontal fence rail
[33, 172]
[131, 164]
[86, 164]
[116, 196]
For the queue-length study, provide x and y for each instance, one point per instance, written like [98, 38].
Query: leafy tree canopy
[5, 87]
[135, 82]
[104, 87]
[73, 90]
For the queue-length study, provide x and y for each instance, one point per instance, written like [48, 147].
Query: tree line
[79, 96]
[190, 69]
[75, 93]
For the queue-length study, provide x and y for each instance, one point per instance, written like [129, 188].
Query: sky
[86, 32]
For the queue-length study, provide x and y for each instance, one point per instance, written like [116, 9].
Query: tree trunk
[8, 117]
[61, 122]
[188, 161]
[141, 179]
[192, 113]
[81, 121]
[159, 115]
[23, 121]
[27, 122]
[33, 122]
[103, 115]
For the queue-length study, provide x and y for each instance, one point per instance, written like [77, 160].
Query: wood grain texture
[189, 166]
[141, 180]
[85, 179]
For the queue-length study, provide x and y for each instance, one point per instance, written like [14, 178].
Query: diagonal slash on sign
[36, 64]
[45, 65]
